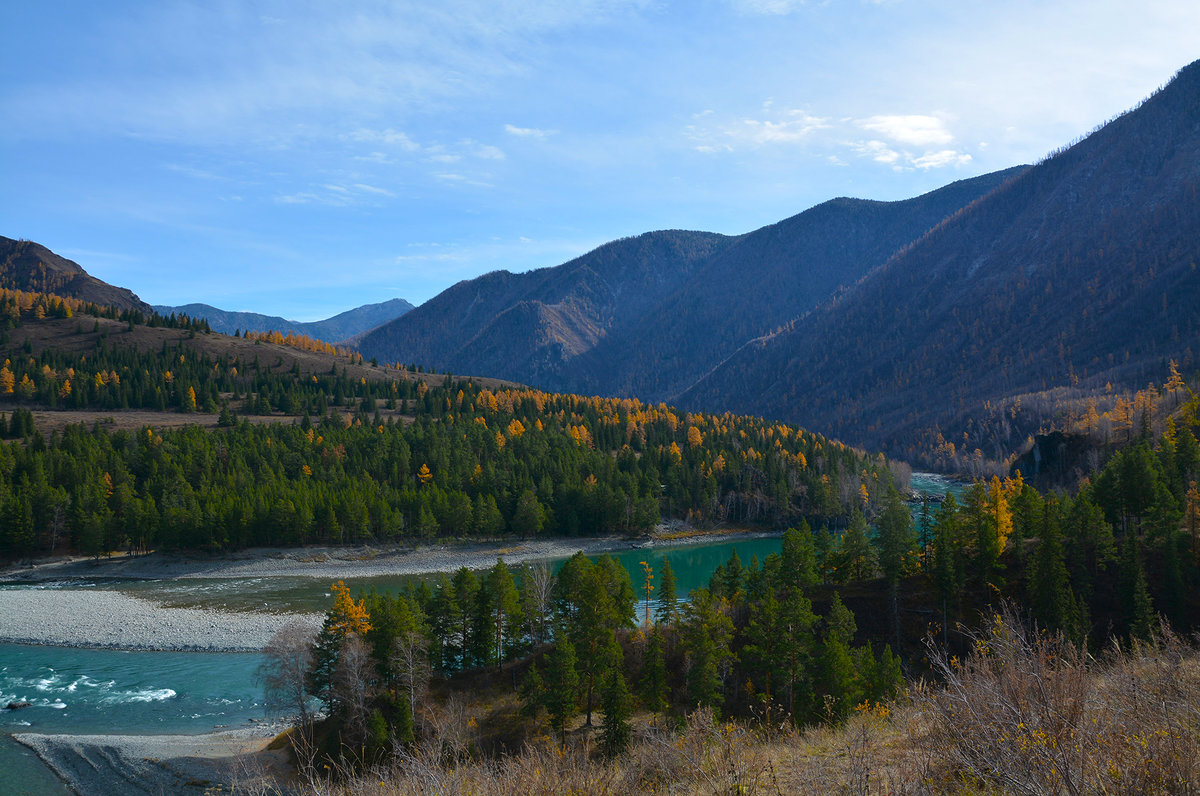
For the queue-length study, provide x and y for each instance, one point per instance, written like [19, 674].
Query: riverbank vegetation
[889, 658]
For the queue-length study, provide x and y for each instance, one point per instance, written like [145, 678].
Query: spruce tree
[616, 703]
[799, 566]
[562, 685]
[652, 685]
[667, 599]
[895, 542]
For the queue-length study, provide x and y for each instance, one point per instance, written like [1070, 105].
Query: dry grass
[1025, 713]
[1029, 713]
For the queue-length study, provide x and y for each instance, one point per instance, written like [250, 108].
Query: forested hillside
[529, 327]
[363, 452]
[763, 281]
[1079, 273]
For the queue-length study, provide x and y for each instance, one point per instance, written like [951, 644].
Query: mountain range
[1080, 272]
[886, 324]
[339, 328]
[650, 315]
[963, 314]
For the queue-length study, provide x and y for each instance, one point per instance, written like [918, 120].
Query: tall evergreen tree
[895, 542]
[667, 599]
[617, 704]
[653, 685]
[1051, 599]
[562, 685]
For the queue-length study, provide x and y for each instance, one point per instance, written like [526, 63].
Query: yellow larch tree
[347, 615]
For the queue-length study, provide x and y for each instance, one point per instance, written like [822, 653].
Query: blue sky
[301, 157]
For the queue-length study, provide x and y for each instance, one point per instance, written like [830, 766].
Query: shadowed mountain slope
[649, 315]
[764, 280]
[531, 326]
[1081, 271]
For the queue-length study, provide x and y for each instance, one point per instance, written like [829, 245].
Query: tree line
[468, 463]
[749, 645]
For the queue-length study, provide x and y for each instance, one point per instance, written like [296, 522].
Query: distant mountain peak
[340, 328]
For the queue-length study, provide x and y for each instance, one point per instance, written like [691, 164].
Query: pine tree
[652, 685]
[505, 609]
[706, 635]
[667, 600]
[1137, 610]
[1052, 601]
[532, 692]
[855, 556]
[895, 542]
[562, 683]
[616, 703]
[840, 684]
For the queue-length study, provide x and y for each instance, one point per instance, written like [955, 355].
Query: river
[117, 692]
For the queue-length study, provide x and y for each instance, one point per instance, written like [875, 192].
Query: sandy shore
[95, 764]
[329, 563]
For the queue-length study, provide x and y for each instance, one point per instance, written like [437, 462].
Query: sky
[302, 157]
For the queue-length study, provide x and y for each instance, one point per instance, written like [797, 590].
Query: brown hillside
[28, 266]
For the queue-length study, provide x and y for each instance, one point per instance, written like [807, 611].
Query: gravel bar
[111, 620]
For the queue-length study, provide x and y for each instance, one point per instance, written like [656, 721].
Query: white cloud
[389, 136]
[336, 195]
[900, 160]
[487, 152]
[373, 189]
[785, 127]
[913, 130]
[528, 132]
[879, 152]
[937, 160]
[910, 142]
[772, 7]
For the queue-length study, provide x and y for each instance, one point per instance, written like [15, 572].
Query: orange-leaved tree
[345, 625]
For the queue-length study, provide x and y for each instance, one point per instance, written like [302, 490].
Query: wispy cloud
[771, 127]
[389, 137]
[941, 159]
[528, 132]
[336, 195]
[772, 7]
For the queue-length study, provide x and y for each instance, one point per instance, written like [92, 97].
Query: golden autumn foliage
[347, 615]
[304, 343]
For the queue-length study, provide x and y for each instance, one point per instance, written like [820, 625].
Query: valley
[609, 521]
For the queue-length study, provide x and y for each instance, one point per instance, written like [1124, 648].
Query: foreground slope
[1079, 272]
